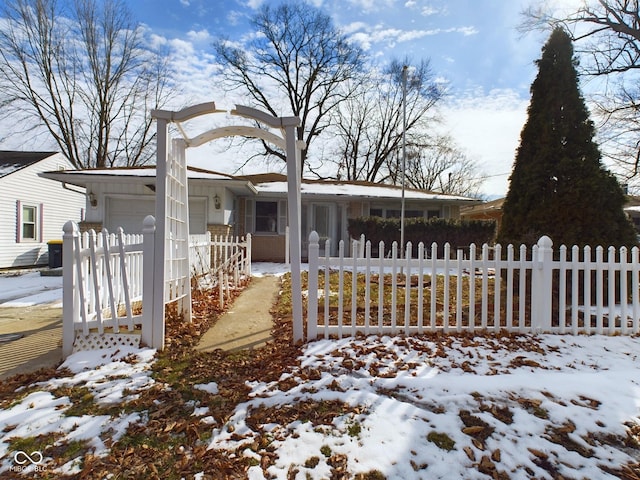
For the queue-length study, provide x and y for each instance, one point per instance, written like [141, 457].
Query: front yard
[425, 407]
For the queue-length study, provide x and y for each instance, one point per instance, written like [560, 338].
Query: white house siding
[126, 204]
[57, 204]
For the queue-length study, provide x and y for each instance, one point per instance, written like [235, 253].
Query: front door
[323, 221]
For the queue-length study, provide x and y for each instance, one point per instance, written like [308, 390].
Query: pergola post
[295, 233]
[292, 147]
[157, 322]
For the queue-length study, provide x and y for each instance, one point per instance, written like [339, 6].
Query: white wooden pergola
[172, 281]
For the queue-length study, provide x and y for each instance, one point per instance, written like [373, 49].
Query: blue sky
[472, 44]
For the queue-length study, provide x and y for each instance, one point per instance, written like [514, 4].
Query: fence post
[312, 288]
[287, 253]
[542, 285]
[70, 302]
[248, 257]
[152, 328]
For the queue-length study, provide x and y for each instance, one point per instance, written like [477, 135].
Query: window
[266, 217]
[29, 223]
[395, 213]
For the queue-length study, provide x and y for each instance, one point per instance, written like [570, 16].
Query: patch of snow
[589, 382]
[211, 387]
[29, 289]
[108, 374]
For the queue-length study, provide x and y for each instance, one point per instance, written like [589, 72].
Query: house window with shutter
[29, 223]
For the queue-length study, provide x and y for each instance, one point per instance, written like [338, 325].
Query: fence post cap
[314, 237]
[545, 242]
[70, 227]
[149, 221]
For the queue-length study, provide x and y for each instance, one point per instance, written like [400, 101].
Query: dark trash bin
[55, 253]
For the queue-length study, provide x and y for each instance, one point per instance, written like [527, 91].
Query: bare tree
[438, 165]
[369, 125]
[84, 74]
[296, 54]
[606, 36]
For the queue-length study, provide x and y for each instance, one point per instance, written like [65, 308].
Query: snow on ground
[260, 269]
[111, 375]
[417, 408]
[408, 390]
[20, 289]
[405, 395]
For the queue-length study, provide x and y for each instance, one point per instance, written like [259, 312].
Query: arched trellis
[171, 265]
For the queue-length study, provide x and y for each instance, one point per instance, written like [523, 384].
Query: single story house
[493, 211]
[256, 204]
[33, 209]
[484, 211]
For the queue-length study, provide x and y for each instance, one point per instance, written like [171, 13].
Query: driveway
[30, 322]
[30, 338]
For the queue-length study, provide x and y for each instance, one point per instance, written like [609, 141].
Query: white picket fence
[107, 285]
[220, 261]
[490, 289]
[108, 282]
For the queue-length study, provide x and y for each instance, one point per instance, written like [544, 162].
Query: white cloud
[354, 27]
[182, 47]
[156, 41]
[253, 4]
[185, 3]
[233, 17]
[487, 126]
[199, 36]
[372, 5]
[368, 36]
[428, 11]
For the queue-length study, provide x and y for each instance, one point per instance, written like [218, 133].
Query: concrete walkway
[31, 338]
[248, 323]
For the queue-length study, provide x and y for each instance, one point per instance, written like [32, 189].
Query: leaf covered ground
[460, 406]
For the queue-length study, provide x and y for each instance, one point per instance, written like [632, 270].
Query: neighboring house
[632, 209]
[33, 210]
[256, 204]
[493, 211]
[484, 211]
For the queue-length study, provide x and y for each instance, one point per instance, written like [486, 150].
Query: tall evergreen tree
[559, 186]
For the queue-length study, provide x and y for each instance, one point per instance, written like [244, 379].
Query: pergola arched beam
[288, 142]
[264, 117]
[186, 113]
[238, 130]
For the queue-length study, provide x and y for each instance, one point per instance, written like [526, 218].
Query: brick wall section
[219, 229]
[241, 214]
[86, 226]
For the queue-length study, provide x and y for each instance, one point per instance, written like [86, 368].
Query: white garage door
[129, 213]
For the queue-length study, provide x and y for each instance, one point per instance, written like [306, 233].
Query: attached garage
[129, 211]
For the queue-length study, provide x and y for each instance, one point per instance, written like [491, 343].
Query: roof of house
[273, 183]
[268, 184]
[144, 174]
[483, 208]
[138, 172]
[12, 161]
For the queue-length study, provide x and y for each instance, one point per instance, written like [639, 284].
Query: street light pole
[404, 154]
